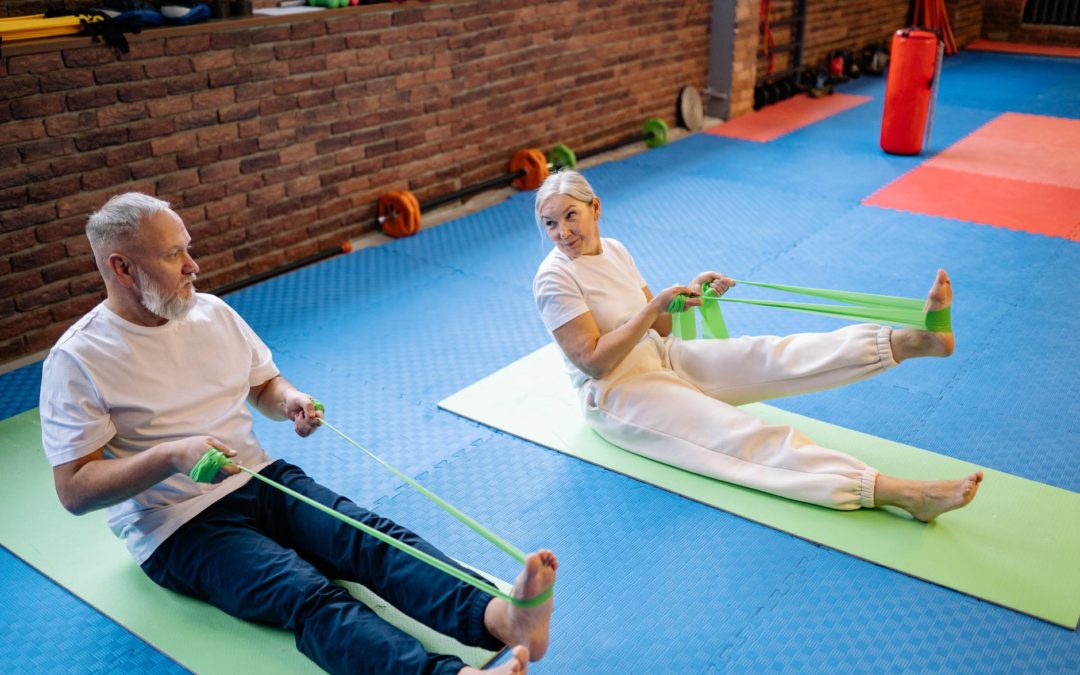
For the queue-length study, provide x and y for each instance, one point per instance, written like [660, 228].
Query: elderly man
[138, 390]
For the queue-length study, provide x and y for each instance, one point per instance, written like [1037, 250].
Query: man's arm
[93, 481]
[277, 399]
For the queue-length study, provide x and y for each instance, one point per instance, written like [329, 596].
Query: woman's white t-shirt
[112, 384]
[607, 284]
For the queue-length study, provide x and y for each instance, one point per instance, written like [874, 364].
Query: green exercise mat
[1015, 545]
[83, 556]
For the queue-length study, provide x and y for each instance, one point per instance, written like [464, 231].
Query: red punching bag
[914, 70]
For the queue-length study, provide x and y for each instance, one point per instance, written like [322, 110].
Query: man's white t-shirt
[112, 384]
[607, 284]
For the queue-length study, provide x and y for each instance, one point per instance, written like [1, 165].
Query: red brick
[185, 84]
[275, 70]
[246, 56]
[13, 198]
[259, 163]
[53, 189]
[104, 178]
[167, 67]
[167, 107]
[214, 60]
[177, 182]
[60, 80]
[121, 114]
[17, 132]
[203, 194]
[227, 40]
[80, 204]
[37, 106]
[90, 283]
[91, 98]
[37, 257]
[39, 297]
[239, 111]
[269, 34]
[53, 147]
[173, 143]
[151, 128]
[141, 91]
[92, 140]
[214, 98]
[77, 163]
[23, 322]
[153, 167]
[187, 44]
[226, 206]
[217, 134]
[35, 63]
[16, 241]
[117, 73]
[220, 170]
[73, 308]
[88, 56]
[67, 269]
[196, 158]
[45, 338]
[195, 119]
[239, 148]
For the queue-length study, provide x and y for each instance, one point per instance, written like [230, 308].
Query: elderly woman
[675, 401]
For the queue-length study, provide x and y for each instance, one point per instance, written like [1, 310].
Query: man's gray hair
[565, 182]
[120, 218]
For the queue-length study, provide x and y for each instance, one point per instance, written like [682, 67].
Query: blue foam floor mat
[651, 582]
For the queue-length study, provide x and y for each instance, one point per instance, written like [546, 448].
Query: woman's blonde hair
[565, 182]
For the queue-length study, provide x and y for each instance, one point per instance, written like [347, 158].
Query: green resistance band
[209, 464]
[888, 309]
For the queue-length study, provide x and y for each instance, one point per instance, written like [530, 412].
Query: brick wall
[273, 139]
[1001, 21]
[855, 24]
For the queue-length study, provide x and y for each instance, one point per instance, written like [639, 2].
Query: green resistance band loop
[210, 463]
[888, 309]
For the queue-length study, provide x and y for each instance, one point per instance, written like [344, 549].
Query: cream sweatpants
[675, 401]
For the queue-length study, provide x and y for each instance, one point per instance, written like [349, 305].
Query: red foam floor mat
[782, 118]
[1017, 171]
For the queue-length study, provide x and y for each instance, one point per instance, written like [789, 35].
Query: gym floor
[650, 581]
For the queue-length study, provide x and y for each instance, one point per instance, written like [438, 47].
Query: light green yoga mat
[83, 556]
[1016, 545]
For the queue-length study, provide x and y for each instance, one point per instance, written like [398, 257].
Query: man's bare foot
[926, 499]
[908, 343]
[528, 626]
[517, 665]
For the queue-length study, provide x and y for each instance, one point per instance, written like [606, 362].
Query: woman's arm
[597, 355]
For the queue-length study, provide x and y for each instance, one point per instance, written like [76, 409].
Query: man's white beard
[159, 302]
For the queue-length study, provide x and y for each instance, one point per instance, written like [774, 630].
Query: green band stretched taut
[889, 309]
[211, 462]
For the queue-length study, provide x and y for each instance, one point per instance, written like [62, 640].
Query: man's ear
[122, 268]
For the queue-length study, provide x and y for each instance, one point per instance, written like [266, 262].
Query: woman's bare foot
[517, 665]
[528, 626]
[908, 343]
[926, 499]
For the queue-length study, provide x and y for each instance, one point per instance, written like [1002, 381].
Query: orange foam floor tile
[1054, 132]
[1027, 206]
[782, 118]
[1010, 159]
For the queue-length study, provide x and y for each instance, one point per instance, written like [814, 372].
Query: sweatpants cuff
[884, 348]
[867, 486]
[478, 634]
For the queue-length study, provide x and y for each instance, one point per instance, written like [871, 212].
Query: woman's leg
[658, 415]
[745, 369]
[757, 368]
